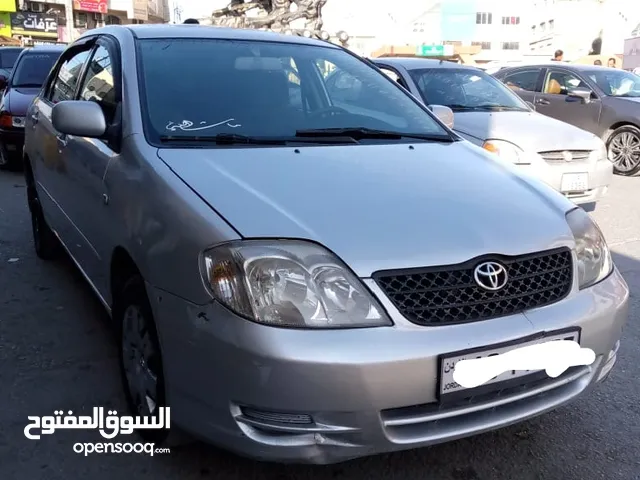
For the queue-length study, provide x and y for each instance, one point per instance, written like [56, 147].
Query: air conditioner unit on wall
[36, 7]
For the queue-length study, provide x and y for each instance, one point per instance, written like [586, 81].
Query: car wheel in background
[623, 146]
[6, 162]
[45, 242]
[140, 357]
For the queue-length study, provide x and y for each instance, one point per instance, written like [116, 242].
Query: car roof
[415, 63]
[172, 31]
[578, 67]
[44, 49]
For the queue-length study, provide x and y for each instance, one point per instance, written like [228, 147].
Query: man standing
[611, 63]
[558, 56]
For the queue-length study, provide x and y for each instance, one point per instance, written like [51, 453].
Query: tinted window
[616, 82]
[559, 83]
[8, 57]
[464, 89]
[98, 85]
[64, 86]
[267, 90]
[33, 68]
[525, 80]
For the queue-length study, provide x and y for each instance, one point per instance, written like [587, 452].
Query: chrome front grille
[565, 156]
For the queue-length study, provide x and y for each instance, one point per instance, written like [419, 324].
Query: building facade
[573, 25]
[62, 21]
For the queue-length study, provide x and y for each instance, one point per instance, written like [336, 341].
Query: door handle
[542, 101]
[35, 117]
[62, 140]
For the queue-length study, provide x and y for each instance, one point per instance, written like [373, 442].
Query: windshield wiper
[369, 133]
[487, 107]
[236, 139]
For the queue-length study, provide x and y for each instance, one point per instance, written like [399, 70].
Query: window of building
[533, 30]
[543, 26]
[551, 25]
[80, 19]
[112, 20]
[482, 45]
[511, 20]
[484, 18]
[510, 45]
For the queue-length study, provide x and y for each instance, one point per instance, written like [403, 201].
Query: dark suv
[31, 70]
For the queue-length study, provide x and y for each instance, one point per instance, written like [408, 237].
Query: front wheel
[623, 147]
[140, 357]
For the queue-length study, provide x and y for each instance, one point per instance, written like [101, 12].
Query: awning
[9, 41]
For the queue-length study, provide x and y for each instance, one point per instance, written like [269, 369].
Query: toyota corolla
[294, 279]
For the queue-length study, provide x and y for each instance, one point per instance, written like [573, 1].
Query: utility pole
[177, 13]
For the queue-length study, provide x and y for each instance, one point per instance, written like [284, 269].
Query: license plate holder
[575, 182]
[448, 392]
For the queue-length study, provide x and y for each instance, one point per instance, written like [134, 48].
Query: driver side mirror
[582, 93]
[79, 118]
[444, 114]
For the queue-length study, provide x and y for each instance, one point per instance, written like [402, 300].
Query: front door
[554, 100]
[87, 161]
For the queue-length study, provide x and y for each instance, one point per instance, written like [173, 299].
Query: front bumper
[600, 175]
[329, 396]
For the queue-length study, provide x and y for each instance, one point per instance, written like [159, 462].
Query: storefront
[32, 27]
[7, 7]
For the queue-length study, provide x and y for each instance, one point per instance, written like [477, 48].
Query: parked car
[604, 101]
[294, 279]
[8, 57]
[31, 70]
[489, 115]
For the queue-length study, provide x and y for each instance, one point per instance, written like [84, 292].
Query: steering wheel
[328, 112]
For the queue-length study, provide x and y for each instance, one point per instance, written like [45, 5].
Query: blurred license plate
[449, 387]
[575, 182]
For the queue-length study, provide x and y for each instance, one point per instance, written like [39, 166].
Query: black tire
[7, 162]
[45, 242]
[133, 298]
[623, 148]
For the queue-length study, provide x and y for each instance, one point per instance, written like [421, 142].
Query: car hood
[19, 99]
[379, 207]
[531, 131]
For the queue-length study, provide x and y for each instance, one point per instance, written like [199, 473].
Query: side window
[394, 76]
[523, 80]
[98, 85]
[64, 85]
[559, 83]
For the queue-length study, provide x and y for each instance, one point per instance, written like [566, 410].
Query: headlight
[507, 151]
[594, 258]
[289, 283]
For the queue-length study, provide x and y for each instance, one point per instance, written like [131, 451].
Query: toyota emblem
[491, 276]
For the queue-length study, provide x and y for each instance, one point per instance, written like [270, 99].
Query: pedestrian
[611, 63]
[598, 62]
[191, 21]
[558, 56]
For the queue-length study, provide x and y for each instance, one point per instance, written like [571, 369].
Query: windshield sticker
[188, 126]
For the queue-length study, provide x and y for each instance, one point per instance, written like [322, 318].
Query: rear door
[554, 100]
[46, 151]
[525, 82]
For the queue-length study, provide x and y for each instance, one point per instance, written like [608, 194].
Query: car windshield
[464, 89]
[203, 88]
[33, 68]
[616, 83]
[8, 57]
